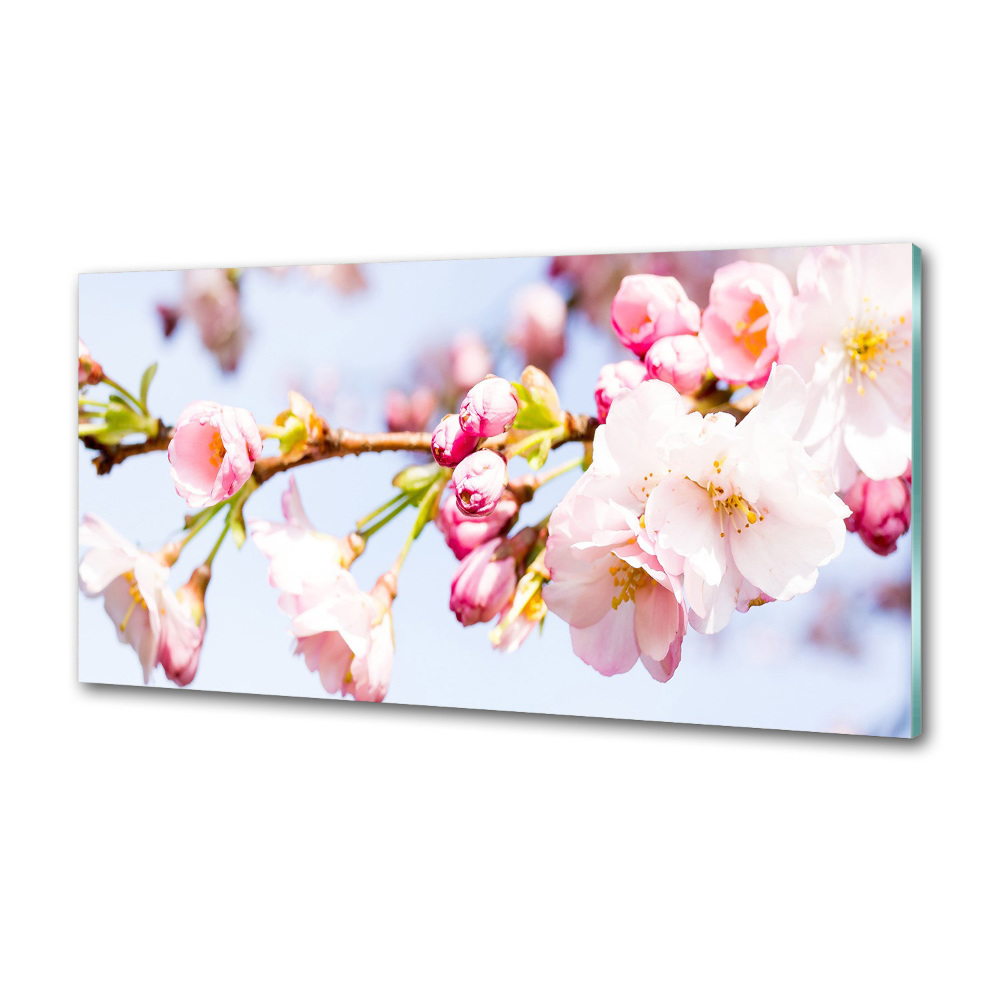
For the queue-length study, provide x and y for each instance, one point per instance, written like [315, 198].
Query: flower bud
[479, 483]
[409, 413]
[183, 626]
[482, 586]
[463, 533]
[212, 453]
[648, 307]
[680, 360]
[538, 325]
[470, 360]
[170, 316]
[90, 372]
[613, 380]
[489, 408]
[449, 443]
[880, 511]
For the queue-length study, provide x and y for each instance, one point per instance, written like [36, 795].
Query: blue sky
[763, 670]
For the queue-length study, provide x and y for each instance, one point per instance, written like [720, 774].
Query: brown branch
[109, 455]
[338, 443]
[335, 443]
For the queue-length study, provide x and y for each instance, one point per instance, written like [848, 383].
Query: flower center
[868, 342]
[133, 590]
[751, 333]
[216, 451]
[627, 580]
[735, 504]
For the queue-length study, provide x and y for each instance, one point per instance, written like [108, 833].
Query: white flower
[848, 335]
[748, 512]
[134, 585]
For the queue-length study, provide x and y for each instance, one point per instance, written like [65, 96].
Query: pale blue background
[761, 671]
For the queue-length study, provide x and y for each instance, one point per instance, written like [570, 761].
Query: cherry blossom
[747, 510]
[848, 336]
[133, 584]
[620, 603]
[212, 453]
[648, 307]
[741, 326]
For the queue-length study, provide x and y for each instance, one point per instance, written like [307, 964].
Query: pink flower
[470, 360]
[345, 278]
[90, 372]
[409, 413]
[212, 300]
[183, 629]
[615, 380]
[620, 603]
[740, 328]
[449, 443]
[489, 408]
[345, 635]
[134, 585]
[464, 533]
[300, 558]
[212, 453]
[848, 336]
[479, 481]
[880, 511]
[680, 360]
[648, 307]
[743, 507]
[482, 586]
[538, 325]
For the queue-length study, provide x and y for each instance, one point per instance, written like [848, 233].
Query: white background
[160, 844]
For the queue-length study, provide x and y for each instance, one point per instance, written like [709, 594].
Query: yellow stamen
[628, 580]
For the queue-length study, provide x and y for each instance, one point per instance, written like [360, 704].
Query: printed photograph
[677, 486]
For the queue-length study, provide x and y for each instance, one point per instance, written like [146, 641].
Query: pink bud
[409, 413]
[449, 443]
[470, 360]
[613, 380]
[90, 372]
[489, 408]
[681, 361]
[482, 587]
[464, 533]
[212, 453]
[648, 307]
[538, 325]
[183, 629]
[479, 483]
[170, 316]
[740, 326]
[880, 511]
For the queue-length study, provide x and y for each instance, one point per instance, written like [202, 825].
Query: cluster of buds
[480, 476]
[502, 579]
[656, 321]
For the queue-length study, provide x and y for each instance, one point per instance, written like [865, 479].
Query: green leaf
[415, 479]
[522, 393]
[535, 417]
[428, 506]
[145, 381]
[537, 456]
[237, 526]
[121, 401]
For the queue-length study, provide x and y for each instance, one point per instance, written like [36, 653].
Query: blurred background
[395, 345]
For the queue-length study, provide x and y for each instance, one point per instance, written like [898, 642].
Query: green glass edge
[916, 526]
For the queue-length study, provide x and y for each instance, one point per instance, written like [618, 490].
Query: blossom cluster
[731, 452]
